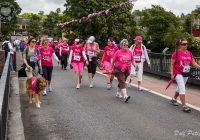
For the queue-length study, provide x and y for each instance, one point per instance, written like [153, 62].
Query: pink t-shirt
[46, 55]
[110, 51]
[58, 44]
[183, 61]
[64, 47]
[77, 55]
[137, 53]
[39, 47]
[123, 59]
[88, 50]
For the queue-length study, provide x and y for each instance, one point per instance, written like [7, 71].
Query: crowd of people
[117, 61]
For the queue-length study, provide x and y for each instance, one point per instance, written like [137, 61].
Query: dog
[34, 87]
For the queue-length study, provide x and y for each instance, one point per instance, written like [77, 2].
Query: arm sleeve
[103, 57]
[60, 50]
[55, 57]
[83, 53]
[146, 55]
[70, 56]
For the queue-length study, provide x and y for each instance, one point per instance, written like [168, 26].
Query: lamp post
[53, 20]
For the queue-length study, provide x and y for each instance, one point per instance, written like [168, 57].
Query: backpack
[21, 46]
[5, 47]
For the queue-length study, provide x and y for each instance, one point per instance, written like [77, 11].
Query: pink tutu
[106, 66]
[78, 67]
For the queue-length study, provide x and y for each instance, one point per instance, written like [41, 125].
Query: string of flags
[94, 14]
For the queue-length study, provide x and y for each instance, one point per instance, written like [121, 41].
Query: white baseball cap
[91, 39]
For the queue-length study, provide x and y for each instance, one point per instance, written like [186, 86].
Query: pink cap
[138, 38]
[76, 40]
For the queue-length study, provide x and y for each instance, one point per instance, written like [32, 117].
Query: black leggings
[47, 72]
[58, 55]
[92, 65]
[64, 60]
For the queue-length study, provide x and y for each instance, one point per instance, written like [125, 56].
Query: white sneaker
[139, 88]
[50, 88]
[108, 86]
[118, 95]
[44, 93]
[129, 85]
[126, 98]
[78, 86]
[91, 85]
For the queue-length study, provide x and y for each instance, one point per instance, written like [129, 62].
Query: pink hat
[76, 40]
[138, 38]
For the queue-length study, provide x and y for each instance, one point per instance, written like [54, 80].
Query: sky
[175, 6]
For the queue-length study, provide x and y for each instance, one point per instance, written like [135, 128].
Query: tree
[118, 23]
[158, 21]
[27, 15]
[34, 25]
[41, 13]
[6, 28]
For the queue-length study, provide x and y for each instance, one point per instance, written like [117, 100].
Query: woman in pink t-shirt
[46, 65]
[107, 58]
[181, 62]
[76, 58]
[64, 49]
[122, 61]
[140, 55]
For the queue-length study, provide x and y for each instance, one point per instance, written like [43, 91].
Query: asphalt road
[68, 113]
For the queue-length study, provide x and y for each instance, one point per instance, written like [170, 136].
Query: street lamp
[53, 20]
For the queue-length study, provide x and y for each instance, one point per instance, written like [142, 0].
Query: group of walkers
[116, 62]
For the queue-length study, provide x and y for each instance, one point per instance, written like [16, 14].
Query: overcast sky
[175, 6]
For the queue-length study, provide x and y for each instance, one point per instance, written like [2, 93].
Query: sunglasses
[33, 41]
[184, 44]
[125, 45]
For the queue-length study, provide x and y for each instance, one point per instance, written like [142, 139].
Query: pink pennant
[107, 11]
[121, 4]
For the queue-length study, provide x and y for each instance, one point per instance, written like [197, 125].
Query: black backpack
[5, 47]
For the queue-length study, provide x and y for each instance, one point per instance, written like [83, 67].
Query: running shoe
[44, 93]
[126, 98]
[174, 102]
[78, 86]
[129, 85]
[118, 95]
[91, 85]
[186, 109]
[108, 86]
[140, 89]
[50, 88]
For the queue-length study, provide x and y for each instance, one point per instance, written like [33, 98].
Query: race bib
[90, 53]
[137, 58]
[186, 69]
[77, 58]
[32, 59]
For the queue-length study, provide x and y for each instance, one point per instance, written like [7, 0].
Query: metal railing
[160, 65]
[4, 96]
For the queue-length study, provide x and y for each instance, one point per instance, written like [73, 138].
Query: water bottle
[136, 69]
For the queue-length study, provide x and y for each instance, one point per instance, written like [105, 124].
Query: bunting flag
[94, 14]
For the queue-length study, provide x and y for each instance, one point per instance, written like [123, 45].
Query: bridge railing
[4, 98]
[160, 65]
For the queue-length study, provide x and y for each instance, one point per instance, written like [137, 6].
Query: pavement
[70, 114]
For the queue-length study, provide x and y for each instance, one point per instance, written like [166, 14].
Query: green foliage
[27, 15]
[6, 28]
[118, 23]
[158, 21]
[34, 25]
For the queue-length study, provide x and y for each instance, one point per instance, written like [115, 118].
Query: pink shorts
[78, 67]
[106, 66]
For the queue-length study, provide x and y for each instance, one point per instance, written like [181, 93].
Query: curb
[15, 124]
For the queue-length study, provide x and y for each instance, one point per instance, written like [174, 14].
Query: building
[21, 27]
